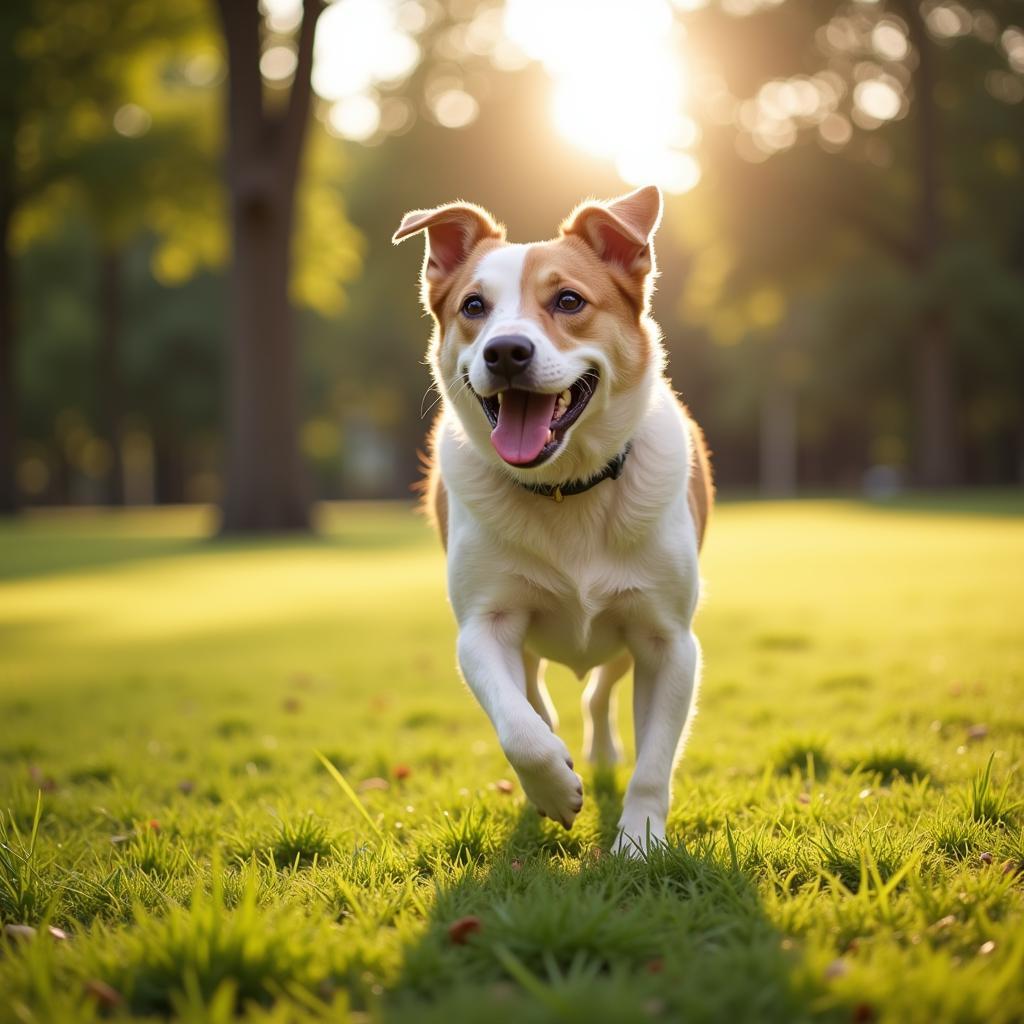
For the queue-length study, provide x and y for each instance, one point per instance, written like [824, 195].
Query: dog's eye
[569, 301]
[473, 306]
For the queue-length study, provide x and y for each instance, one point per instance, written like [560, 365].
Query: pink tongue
[524, 419]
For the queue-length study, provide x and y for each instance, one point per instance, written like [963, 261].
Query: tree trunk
[778, 439]
[937, 440]
[108, 366]
[8, 364]
[168, 467]
[935, 403]
[265, 486]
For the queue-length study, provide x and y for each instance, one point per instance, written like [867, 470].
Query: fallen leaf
[401, 771]
[837, 969]
[45, 782]
[459, 931]
[977, 732]
[986, 947]
[104, 994]
[986, 858]
[373, 783]
[19, 932]
[504, 786]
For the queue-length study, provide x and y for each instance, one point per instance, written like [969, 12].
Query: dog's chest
[580, 629]
[583, 603]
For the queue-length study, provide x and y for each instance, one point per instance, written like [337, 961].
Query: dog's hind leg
[601, 745]
[536, 692]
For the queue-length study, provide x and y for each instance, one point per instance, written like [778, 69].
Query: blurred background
[199, 300]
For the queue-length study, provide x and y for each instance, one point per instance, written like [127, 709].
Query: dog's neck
[559, 492]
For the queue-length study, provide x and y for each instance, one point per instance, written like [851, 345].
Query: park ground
[846, 838]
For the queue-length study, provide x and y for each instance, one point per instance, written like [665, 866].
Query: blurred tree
[265, 487]
[912, 116]
[15, 95]
[68, 137]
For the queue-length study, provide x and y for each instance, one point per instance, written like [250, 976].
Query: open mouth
[529, 426]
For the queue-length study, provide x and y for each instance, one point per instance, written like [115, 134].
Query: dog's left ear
[452, 231]
[620, 231]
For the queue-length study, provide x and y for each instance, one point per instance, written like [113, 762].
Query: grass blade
[347, 789]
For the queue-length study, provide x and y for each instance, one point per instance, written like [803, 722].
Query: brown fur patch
[431, 489]
[446, 300]
[608, 319]
[701, 494]
[445, 297]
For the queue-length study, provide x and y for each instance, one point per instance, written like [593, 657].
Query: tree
[14, 86]
[867, 134]
[265, 486]
[63, 69]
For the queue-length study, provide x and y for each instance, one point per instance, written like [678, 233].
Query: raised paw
[550, 784]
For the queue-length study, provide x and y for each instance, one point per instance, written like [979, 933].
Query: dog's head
[544, 351]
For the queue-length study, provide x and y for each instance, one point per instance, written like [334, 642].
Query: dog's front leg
[665, 679]
[491, 658]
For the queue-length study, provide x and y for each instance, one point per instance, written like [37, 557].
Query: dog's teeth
[566, 396]
[551, 436]
[501, 395]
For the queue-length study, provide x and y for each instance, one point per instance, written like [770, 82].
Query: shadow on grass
[1000, 503]
[81, 541]
[551, 930]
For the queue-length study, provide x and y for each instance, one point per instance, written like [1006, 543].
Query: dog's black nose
[508, 354]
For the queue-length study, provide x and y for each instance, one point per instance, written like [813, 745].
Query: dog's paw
[638, 833]
[545, 770]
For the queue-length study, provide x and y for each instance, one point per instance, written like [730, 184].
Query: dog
[571, 489]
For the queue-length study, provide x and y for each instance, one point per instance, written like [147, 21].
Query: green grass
[846, 838]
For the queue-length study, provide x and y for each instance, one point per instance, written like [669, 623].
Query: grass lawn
[846, 838]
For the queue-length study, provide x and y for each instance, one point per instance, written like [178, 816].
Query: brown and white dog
[571, 489]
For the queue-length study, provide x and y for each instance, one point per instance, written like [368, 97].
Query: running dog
[571, 489]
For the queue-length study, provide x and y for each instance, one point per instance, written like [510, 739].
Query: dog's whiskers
[465, 384]
[431, 387]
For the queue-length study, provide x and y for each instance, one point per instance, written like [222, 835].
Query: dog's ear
[620, 231]
[452, 231]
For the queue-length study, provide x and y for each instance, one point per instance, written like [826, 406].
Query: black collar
[559, 491]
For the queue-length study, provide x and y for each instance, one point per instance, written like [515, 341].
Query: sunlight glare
[360, 44]
[619, 80]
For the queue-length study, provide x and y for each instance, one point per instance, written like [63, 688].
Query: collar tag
[559, 492]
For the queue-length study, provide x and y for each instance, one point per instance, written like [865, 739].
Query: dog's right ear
[452, 231]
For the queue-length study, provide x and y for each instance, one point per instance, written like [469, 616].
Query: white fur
[602, 578]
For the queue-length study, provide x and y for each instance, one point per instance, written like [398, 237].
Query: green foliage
[168, 693]
[23, 885]
[986, 805]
